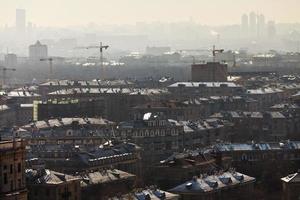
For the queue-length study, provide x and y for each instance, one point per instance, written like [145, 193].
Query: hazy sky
[82, 12]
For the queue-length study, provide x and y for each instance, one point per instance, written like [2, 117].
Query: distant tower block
[38, 51]
[10, 60]
[209, 72]
[20, 21]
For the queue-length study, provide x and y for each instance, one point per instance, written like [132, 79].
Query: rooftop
[4, 107]
[83, 155]
[104, 176]
[46, 176]
[149, 194]
[51, 123]
[211, 99]
[264, 91]
[292, 178]
[87, 83]
[201, 124]
[128, 91]
[17, 93]
[239, 114]
[11, 144]
[268, 146]
[212, 183]
[285, 106]
[204, 84]
[188, 159]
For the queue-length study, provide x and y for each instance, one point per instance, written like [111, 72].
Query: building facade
[12, 168]
[38, 51]
[209, 72]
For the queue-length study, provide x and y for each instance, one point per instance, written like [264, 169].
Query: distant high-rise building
[271, 29]
[10, 60]
[20, 20]
[29, 27]
[245, 23]
[38, 51]
[252, 23]
[261, 25]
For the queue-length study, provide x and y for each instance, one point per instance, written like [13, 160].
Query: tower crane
[214, 51]
[50, 60]
[4, 70]
[101, 47]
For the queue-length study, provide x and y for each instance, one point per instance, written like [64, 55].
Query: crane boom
[101, 47]
[4, 70]
[50, 66]
[214, 51]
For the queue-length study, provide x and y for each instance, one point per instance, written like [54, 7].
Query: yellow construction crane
[4, 70]
[101, 47]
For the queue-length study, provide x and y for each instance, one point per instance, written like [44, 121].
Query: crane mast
[50, 66]
[101, 47]
[4, 70]
[214, 52]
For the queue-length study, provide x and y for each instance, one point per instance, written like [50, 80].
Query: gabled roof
[292, 178]
[212, 183]
[105, 176]
[45, 176]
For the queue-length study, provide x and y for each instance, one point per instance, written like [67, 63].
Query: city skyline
[213, 13]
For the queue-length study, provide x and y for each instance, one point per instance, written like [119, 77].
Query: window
[19, 167]
[47, 192]
[19, 183]
[5, 167]
[11, 169]
[5, 178]
[11, 185]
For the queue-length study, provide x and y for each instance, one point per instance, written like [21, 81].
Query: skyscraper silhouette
[20, 20]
